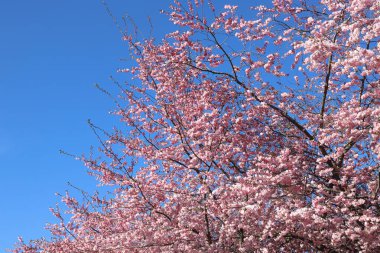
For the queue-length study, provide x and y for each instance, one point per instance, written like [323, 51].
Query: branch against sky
[245, 131]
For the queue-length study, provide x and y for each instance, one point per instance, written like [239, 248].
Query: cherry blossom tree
[243, 131]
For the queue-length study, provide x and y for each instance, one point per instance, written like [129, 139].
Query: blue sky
[52, 53]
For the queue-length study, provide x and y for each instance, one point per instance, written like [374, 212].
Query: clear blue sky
[52, 52]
